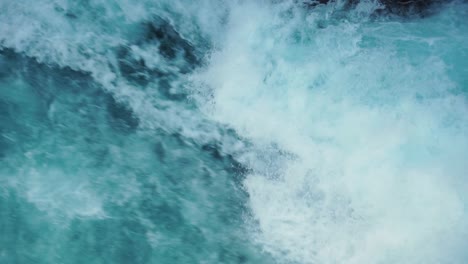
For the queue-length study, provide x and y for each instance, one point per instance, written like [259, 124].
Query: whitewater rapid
[233, 132]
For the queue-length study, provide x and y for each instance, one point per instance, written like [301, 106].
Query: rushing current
[242, 131]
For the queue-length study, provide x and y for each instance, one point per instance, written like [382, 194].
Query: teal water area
[81, 184]
[232, 132]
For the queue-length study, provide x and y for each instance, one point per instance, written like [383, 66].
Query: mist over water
[232, 132]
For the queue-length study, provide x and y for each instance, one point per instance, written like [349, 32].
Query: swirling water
[217, 131]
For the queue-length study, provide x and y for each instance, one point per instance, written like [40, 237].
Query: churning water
[214, 131]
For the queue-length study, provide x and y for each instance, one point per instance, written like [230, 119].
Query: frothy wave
[348, 132]
[375, 128]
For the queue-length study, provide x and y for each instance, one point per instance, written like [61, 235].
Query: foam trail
[369, 131]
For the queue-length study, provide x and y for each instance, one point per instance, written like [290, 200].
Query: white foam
[376, 140]
[61, 199]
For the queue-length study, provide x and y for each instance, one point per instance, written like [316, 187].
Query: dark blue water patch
[231, 165]
[5, 122]
[121, 116]
[179, 54]
[5, 70]
[135, 70]
[4, 145]
[411, 9]
[171, 43]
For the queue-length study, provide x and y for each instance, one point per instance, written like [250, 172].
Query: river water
[215, 131]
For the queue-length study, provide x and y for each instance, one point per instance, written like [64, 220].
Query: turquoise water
[232, 132]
